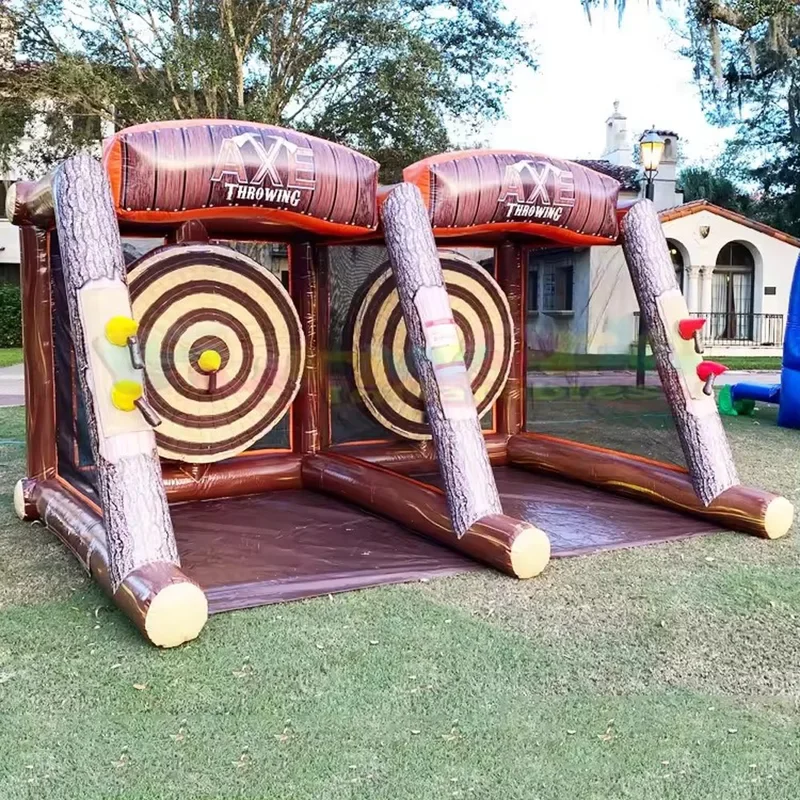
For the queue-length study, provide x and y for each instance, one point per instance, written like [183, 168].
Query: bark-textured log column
[305, 293]
[136, 516]
[704, 442]
[450, 405]
[37, 343]
[510, 545]
[740, 508]
[510, 276]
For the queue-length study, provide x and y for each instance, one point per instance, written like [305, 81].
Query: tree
[588, 5]
[388, 77]
[746, 57]
[702, 183]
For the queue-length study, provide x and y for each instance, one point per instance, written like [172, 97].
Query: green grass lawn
[579, 362]
[661, 672]
[9, 356]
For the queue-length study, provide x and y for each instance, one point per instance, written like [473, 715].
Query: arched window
[677, 261]
[732, 293]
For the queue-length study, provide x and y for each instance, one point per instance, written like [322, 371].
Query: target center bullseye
[209, 354]
[209, 361]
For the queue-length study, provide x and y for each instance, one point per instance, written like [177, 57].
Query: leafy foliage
[588, 5]
[748, 68]
[385, 76]
[702, 183]
[10, 315]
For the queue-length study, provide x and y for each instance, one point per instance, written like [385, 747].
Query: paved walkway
[12, 386]
[628, 378]
[12, 380]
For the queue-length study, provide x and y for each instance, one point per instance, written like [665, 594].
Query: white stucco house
[734, 271]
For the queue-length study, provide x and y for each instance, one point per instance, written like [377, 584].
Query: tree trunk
[457, 436]
[136, 516]
[704, 442]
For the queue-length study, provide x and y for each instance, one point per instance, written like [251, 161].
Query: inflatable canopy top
[242, 177]
[170, 172]
[491, 191]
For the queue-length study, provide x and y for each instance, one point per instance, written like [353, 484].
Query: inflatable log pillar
[144, 571]
[740, 508]
[514, 547]
[663, 308]
[457, 437]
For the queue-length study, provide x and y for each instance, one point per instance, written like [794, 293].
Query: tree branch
[132, 55]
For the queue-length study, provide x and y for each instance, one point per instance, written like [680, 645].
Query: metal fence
[746, 330]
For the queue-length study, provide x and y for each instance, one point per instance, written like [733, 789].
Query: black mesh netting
[582, 357]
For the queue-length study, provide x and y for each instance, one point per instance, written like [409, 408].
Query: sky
[561, 109]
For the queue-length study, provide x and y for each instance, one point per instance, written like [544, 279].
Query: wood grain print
[383, 365]
[192, 299]
[517, 191]
[171, 172]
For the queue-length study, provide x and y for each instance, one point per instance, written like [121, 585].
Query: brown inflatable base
[293, 544]
[581, 519]
[298, 543]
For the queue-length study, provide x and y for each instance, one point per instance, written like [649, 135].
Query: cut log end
[176, 615]
[24, 504]
[778, 518]
[530, 552]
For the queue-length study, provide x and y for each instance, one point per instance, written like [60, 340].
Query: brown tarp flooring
[292, 544]
[581, 520]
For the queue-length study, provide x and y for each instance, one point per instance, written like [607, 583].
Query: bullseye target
[222, 345]
[383, 364]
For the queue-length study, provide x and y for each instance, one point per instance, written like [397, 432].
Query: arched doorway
[677, 262]
[732, 293]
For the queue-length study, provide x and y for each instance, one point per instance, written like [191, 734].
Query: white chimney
[618, 145]
[665, 189]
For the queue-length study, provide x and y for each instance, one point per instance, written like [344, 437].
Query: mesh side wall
[581, 352]
[75, 460]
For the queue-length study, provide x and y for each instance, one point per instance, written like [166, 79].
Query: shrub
[10, 315]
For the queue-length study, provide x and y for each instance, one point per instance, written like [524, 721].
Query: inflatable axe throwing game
[253, 376]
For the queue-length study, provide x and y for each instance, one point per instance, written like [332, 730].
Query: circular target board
[223, 349]
[383, 364]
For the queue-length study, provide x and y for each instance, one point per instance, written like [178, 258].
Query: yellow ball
[119, 329]
[124, 394]
[209, 361]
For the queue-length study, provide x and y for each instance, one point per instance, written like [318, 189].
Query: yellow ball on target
[125, 393]
[209, 361]
[120, 329]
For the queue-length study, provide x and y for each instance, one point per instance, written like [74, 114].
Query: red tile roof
[703, 205]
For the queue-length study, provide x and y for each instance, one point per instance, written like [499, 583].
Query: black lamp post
[651, 148]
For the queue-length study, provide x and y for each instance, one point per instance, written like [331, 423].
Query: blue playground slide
[741, 398]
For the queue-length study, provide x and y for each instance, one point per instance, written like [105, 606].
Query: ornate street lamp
[651, 149]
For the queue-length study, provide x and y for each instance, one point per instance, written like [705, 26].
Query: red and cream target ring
[383, 365]
[223, 349]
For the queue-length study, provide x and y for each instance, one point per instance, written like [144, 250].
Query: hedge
[10, 315]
